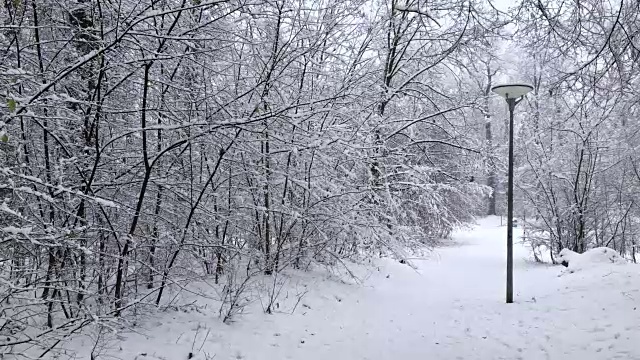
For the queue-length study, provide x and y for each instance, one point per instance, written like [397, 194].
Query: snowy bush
[590, 258]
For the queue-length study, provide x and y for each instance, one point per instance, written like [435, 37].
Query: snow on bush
[590, 258]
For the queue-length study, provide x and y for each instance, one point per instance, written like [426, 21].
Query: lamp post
[513, 93]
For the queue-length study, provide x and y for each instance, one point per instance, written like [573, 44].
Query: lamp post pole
[513, 93]
[512, 104]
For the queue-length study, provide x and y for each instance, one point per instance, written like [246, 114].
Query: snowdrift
[590, 258]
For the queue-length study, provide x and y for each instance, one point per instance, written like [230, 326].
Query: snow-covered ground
[449, 306]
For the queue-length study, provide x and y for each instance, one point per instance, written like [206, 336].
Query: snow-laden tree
[148, 143]
[580, 151]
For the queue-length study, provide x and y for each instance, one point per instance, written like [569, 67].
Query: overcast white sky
[503, 5]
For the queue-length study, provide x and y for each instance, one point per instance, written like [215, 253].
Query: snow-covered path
[453, 308]
[450, 307]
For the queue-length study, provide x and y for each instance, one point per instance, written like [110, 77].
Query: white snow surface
[451, 306]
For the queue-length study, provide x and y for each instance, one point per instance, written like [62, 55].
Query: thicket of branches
[579, 177]
[147, 142]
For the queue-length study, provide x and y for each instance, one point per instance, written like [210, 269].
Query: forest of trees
[147, 143]
[579, 177]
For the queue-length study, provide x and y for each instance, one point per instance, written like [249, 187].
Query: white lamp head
[512, 91]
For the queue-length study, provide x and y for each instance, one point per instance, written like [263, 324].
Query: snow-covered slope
[451, 306]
